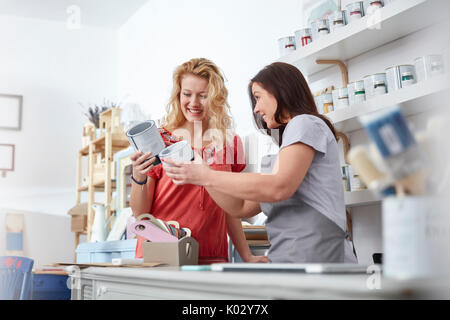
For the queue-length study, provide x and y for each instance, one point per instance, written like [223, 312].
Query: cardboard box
[78, 223]
[183, 252]
[79, 217]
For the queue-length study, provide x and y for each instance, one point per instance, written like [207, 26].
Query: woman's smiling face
[266, 105]
[194, 97]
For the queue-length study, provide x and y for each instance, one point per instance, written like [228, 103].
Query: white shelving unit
[394, 21]
[398, 19]
[413, 100]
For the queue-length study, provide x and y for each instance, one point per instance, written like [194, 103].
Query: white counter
[169, 283]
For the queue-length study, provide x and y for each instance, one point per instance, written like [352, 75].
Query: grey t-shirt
[310, 226]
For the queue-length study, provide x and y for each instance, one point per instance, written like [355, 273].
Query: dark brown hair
[287, 84]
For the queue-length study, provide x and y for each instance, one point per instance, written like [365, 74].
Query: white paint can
[145, 137]
[375, 85]
[340, 98]
[429, 66]
[286, 45]
[337, 20]
[303, 37]
[356, 92]
[416, 237]
[355, 11]
[400, 76]
[371, 5]
[180, 151]
[320, 28]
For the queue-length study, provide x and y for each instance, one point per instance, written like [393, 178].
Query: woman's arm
[289, 170]
[237, 236]
[141, 196]
[235, 207]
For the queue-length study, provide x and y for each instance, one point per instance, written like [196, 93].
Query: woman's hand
[255, 259]
[196, 172]
[141, 164]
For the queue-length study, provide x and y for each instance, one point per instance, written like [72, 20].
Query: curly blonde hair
[219, 117]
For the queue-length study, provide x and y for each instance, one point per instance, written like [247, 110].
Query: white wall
[53, 68]
[241, 38]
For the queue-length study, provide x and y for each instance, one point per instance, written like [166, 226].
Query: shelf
[119, 142]
[98, 186]
[398, 19]
[414, 99]
[360, 198]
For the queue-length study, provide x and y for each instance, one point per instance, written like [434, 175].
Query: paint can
[327, 99]
[286, 45]
[303, 37]
[356, 92]
[355, 11]
[340, 98]
[400, 76]
[320, 28]
[319, 103]
[337, 20]
[180, 151]
[429, 66]
[371, 6]
[375, 85]
[145, 137]
[355, 182]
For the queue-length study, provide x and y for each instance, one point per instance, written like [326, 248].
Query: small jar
[379, 88]
[355, 11]
[407, 79]
[337, 20]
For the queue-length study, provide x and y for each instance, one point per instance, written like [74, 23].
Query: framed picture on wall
[10, 111]
[6, 158]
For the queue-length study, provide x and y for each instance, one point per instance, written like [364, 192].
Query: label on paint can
[407, 79]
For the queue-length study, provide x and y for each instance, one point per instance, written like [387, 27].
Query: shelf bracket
[345, 142]
[341, 66]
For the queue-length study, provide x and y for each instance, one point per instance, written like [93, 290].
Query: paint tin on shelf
[286, 45]
[340, 98]
[337, 20]
[356, 92]
[429, 66]
[375, 85]
[303, 37]
[400, 76]
[371, 6]
[327, 100]
[320, 28]
[355, 11]
[319, 103]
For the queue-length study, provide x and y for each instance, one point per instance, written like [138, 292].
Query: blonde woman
[198, 112]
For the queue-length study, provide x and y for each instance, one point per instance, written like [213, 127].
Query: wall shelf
[414, 99]
[361, 198]
[398, 19]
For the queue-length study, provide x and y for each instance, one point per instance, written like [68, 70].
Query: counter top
[172, 283]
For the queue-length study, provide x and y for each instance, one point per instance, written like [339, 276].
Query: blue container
[50, 287]
[104, 252]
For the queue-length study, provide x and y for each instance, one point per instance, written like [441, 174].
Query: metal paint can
[327, 99]
[400, 76]
[319, 103]
[180, 151]
[429, 66]
[303, 37]
[337, 20]
[375, 85]
[145, 137]
[356, 92]
[320, 28]
[371, 6]
[340, 98]
[286, 45]
[355, 11]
